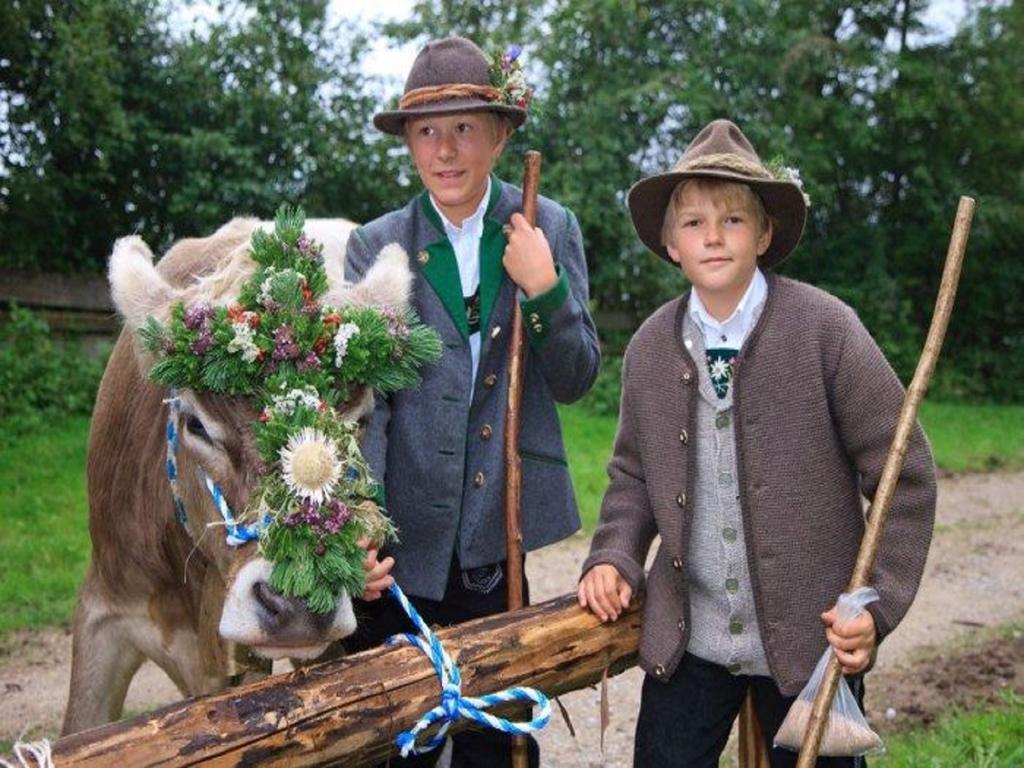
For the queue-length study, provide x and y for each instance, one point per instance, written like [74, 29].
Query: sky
[386, 60]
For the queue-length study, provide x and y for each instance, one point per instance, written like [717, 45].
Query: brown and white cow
[152, 584]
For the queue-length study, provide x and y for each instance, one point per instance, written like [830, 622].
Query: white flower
[794, 176]
[516, 85]
[341, 338]
[310, 465]
[243, 342]
[719, 369]
[287, 403]
[265, 298]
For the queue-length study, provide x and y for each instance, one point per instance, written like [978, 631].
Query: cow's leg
[103, 662]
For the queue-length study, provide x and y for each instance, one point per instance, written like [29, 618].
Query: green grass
[989, 738]
[965, 437]
[588, 447]
[44, 536]
[969, 437]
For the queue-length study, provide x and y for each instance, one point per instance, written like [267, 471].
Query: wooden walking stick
[513, 468]
[752, 751]
[894, 464]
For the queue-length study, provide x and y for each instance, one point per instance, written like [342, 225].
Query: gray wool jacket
[438, 449]
[815, 408]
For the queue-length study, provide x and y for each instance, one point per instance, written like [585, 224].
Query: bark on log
[349, 711]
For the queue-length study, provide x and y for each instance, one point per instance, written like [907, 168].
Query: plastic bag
[847, 733]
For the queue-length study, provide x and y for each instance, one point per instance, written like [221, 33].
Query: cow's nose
[288, 619]
[276, 611]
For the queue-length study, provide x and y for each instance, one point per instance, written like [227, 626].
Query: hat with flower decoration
[721, 151]
[453, 75]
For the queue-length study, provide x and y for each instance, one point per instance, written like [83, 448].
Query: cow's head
[218, 438]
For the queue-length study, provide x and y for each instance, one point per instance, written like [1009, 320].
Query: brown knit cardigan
[815, 407]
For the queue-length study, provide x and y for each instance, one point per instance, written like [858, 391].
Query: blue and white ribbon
[173, 409]
[238, 534]
[453, 704]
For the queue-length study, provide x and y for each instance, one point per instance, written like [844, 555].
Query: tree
[116, 124]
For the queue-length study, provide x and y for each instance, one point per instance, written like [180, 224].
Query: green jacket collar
[442, 271]
[431, 212]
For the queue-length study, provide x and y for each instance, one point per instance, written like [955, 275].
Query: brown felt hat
[721, 151]
[448, 76]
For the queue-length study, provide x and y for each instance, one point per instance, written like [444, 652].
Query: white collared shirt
[733, 331]
[465, 242]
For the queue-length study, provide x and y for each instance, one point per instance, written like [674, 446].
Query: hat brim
[784, 202]
[393, 122]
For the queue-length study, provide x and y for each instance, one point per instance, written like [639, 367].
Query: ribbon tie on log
[454, 705]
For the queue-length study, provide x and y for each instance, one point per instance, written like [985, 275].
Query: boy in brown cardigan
[756, 411]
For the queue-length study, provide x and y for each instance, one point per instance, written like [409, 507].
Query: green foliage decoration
[302, 361]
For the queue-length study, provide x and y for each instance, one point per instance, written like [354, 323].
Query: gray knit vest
[723, 621]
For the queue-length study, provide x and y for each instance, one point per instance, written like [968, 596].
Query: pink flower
[310, 363]
[285, 347]
[202, 344]
[197, 315]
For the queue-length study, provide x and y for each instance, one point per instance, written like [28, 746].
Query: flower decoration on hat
[781, 172]
[508, 78]
[299, 361]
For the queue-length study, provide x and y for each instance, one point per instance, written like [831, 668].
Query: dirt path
[972, 583]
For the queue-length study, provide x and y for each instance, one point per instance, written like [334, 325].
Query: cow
[155, 588]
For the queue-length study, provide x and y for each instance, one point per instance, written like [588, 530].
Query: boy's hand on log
[378, 572]
[528, 258]
[604, 592]
[854, 641]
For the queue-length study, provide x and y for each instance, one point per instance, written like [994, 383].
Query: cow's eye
[195, 427]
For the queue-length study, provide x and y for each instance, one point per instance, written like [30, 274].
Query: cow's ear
[137, 288]
[386, 283]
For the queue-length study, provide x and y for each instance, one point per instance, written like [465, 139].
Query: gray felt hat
[448, 76]
[721, 151]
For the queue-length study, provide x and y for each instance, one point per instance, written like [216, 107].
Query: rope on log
[453, 704]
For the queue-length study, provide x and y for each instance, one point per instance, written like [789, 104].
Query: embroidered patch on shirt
[721, 364]
[473, 311]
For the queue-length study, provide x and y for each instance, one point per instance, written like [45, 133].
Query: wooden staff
[894, 464]
[513, 468]
[752, 751]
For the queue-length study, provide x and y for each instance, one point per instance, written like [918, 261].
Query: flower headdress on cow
[300, 360]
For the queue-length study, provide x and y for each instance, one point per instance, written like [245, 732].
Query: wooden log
[349, 711]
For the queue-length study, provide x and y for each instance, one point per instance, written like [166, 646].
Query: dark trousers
[685, 722]
[468, 595]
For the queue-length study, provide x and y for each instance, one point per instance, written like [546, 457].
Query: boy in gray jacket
[438, 450]
[755, 412]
